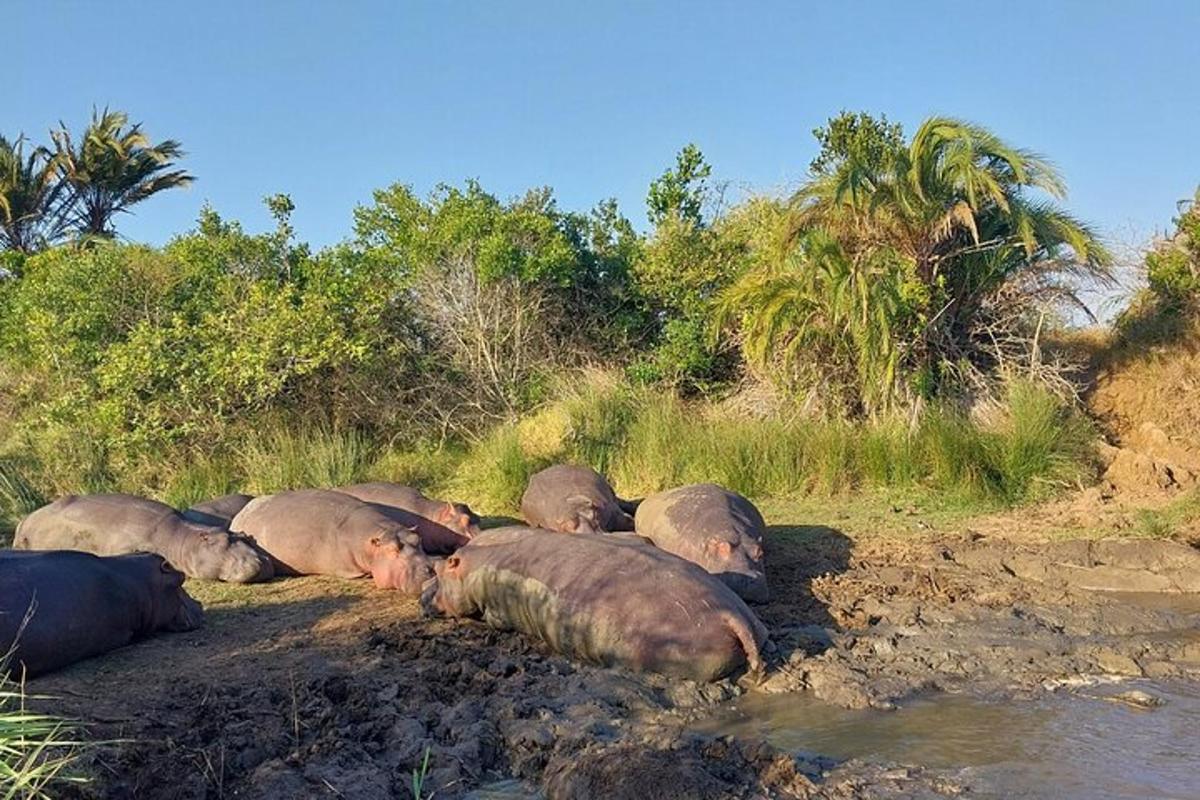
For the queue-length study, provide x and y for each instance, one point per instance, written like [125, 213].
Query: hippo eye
[452, 562]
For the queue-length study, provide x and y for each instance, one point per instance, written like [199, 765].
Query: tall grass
[17, 497]
[1026, 447]
[36, 750]
[308, 457]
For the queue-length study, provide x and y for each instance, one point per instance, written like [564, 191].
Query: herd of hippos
[658, 585]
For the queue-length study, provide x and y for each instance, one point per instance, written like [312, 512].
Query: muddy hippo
[573, 499]
[399, 503]
[458, 517]
[61, 606]
[219, 511]
[711, 526]
[114, 524]
[319, 532]
[608, 600]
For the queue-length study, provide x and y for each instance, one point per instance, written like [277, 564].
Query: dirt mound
[1147, 398]
[1149, 462]
[1150, 379]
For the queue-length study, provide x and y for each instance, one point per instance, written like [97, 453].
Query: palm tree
[954, 200]
[899, 254]
[832, 322]
[30, 197]
[113, 168]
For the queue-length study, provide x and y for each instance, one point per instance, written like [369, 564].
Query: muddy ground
[324, 688]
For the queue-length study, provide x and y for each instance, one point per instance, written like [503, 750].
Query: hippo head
[584, 518]
[172, 608]
[222, 556]
[396, 561]
[739, 565]
[446, 595]
[459, 518]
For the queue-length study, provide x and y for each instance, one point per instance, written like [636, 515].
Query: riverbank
[317, 687]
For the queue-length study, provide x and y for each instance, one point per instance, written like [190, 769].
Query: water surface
[1077, 745]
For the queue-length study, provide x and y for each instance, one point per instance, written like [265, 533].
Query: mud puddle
[1087, 743]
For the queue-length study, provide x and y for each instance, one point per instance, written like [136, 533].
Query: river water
[1080, 744]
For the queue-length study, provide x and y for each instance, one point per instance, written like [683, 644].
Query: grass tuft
[316, 457]
[36, 750]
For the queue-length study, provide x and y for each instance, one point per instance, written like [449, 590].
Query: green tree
[973, 218]
[113, 167]
[680, 192]
[1173, 265]
[680, 269]
[901, 264]
[506, 291]
[31, 197]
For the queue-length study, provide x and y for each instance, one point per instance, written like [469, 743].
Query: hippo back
[456, 517]
[58, 607]
[711, 526]
[611, 600]
[219, 511]
[313, 531]
[104, 524]
[115, 524]
[571, 499]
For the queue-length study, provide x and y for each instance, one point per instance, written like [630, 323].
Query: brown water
[1069, 745]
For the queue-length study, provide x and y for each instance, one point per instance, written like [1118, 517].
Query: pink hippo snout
[399, 563]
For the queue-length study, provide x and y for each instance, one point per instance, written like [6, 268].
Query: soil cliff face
[1146, 396]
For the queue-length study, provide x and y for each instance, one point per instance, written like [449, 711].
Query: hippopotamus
[401, 503]
[114, 524]
[711, 526]
[320, 532]
[60, 606]
[219, 511]
[573, 499]
[611, 600]
[458, 517]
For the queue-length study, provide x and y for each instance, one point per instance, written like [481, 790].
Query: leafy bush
[1173, 266]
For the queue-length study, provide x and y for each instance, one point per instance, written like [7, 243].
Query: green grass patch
[36, 750]
[1027, 447]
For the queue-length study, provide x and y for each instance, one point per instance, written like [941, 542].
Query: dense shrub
[1173, 265]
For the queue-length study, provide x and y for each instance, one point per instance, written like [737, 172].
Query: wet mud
[323, 688]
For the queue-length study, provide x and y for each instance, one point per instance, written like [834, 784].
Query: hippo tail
[746, 636]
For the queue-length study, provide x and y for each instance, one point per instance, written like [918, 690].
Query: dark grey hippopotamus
[401, 503]
[711, 526]
[114, 524]
[608, 600]
[319, 532]
[219, 511]
[62, 606]
[573, 499]
[458, 517]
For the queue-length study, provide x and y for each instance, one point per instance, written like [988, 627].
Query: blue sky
[329, 100]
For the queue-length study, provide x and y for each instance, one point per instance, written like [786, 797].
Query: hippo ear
[720, 548]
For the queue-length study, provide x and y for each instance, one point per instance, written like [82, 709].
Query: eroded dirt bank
[320, 688]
